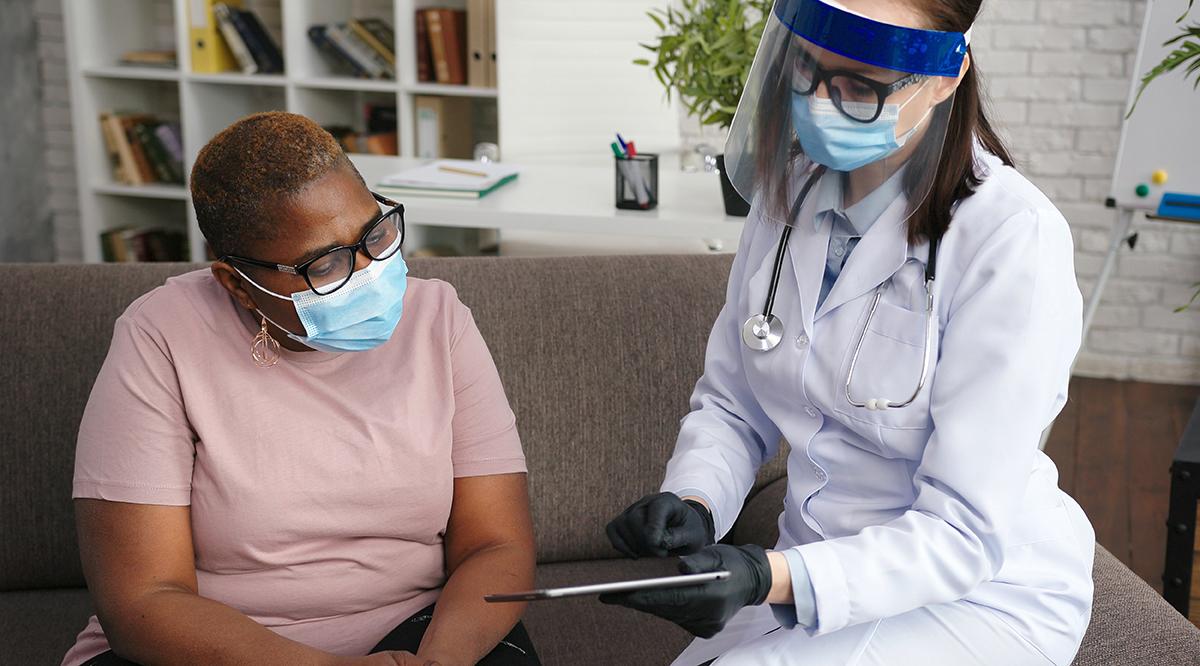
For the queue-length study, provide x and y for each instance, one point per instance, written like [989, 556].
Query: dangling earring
[264, 349]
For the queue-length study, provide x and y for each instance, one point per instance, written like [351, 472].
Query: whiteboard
[1164, 131]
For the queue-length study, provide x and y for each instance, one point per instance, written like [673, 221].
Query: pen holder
[637, 182]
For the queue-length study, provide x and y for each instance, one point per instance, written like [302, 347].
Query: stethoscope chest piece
[762, 332]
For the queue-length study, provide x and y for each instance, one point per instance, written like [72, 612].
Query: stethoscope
[763, 332]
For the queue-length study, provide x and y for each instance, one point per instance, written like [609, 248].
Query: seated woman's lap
[514, 650]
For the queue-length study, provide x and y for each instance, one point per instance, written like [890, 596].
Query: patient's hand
[389, 658]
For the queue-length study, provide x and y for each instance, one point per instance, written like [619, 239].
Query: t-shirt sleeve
[135, 444]
[485, 429]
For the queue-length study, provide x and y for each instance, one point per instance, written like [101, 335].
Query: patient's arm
[140, 568]
[489, 549]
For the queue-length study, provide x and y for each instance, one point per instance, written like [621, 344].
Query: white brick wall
[1057, 73]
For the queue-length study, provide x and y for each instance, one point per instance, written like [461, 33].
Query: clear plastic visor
[844, 105]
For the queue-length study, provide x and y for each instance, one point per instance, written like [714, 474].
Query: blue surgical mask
[830, 138]
[361, 315]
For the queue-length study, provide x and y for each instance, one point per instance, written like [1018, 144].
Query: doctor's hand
[661, 525]
[704, 609]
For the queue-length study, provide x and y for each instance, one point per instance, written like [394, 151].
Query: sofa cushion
[1133, 624]
[38, 627]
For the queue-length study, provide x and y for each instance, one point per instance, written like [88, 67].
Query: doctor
[903, 311]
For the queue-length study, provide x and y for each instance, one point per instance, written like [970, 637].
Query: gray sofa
[598, 356]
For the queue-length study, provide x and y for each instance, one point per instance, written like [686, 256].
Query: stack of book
[362, 47]
[380, 135]
[142, 148]
[457, 47]
[150, 58]
[252, 46]
[147, 244]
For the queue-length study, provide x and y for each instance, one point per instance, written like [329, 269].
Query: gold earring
[264, 349]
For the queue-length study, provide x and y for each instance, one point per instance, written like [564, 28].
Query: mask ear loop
[260, 312]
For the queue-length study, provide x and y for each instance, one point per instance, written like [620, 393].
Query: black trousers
[514, 650]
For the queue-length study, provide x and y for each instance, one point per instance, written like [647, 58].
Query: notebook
[463, 179]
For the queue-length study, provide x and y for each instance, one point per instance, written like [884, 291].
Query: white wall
[1057, 71]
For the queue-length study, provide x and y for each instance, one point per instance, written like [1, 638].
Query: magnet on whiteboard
[1159, 177]
[1143, 190]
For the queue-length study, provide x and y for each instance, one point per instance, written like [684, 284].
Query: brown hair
[962, 119]
[248, 167]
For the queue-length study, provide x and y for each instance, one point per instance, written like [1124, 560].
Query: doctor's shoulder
[1007, 206]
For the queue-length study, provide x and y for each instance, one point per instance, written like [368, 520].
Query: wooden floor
[1113, 444]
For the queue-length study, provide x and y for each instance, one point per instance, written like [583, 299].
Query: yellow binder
[210, 53]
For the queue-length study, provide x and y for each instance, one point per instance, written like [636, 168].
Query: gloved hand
[662, 525]
[704, 609]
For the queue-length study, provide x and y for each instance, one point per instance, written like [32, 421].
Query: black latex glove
[661, 525]
[704, 609]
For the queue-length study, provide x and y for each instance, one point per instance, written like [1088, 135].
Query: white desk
[574, 200]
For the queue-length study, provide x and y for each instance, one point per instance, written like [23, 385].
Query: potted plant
[703, 55]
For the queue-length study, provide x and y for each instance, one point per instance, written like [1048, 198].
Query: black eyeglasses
[857, 97]
[331, 270]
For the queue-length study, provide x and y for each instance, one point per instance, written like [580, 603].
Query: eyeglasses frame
[882, 90]
[361, 246]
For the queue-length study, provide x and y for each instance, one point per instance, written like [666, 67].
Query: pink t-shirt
[319, 488]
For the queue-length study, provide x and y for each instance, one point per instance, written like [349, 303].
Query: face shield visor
[833, 88]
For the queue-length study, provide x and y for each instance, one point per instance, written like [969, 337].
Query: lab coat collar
[880, 253]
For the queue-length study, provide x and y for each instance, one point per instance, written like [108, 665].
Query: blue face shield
[847, 89]
[357, 317]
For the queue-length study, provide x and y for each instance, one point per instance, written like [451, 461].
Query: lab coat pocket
[888, 367]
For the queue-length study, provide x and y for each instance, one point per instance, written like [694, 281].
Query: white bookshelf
[98, 31]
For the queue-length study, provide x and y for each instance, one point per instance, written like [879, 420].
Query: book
[477, 43]
[262, 45]
[444, 127]
[233, 38]
[454, 31]
[378, 35]
[145, 171]
[450, 178]
[437, 45]
[366, 51]
[317, 35]
[110, 146]
[210, 53]
[490, 32]
[425, 73]
[164, 59]
[338, 35]
[171, 137]
[156, 156]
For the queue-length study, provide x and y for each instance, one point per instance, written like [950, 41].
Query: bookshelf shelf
[346, 83]
[234, 78]
[205, 103]
[152, 191]
[130, 72]
[451, 90]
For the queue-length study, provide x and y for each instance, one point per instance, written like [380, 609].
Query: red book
[424, 59]
[454, 31]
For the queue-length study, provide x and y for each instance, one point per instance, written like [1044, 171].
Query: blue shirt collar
[865, 212]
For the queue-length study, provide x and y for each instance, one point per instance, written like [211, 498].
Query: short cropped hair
[250, 167]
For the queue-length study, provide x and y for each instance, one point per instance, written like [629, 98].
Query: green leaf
[657, 21]
[1185, 54]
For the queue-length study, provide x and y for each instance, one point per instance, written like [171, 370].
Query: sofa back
[598, 356]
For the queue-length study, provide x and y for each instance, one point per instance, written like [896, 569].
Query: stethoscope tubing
[763, 332]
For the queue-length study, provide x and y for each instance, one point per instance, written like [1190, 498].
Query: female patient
[301, 456]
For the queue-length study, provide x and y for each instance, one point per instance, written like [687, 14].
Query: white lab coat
[944, 503]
